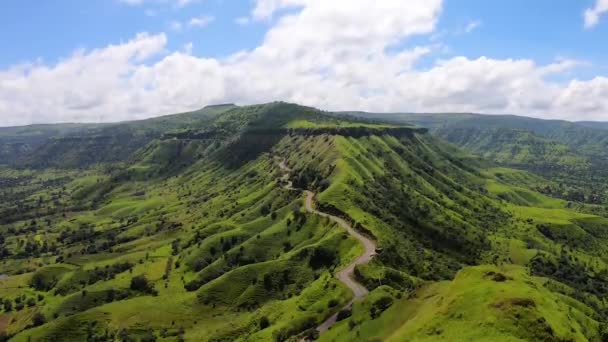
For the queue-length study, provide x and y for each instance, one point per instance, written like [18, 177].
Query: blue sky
[540, 29]
[54, 29]
[448, 40]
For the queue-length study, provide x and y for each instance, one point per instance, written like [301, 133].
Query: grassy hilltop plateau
[203, 226]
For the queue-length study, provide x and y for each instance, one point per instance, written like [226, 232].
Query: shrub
[344, 314]
[322, 257]
[264, 323]
[141, 284]
[8, 305]
[192, 286]
[293, 328]
[380, 305]
[41, 283]
[31, 302]
[38, 319]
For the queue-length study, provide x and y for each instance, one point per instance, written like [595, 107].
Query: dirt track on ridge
[346, 275]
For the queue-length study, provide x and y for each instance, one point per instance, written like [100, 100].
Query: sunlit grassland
[477, 305]
[230, 253]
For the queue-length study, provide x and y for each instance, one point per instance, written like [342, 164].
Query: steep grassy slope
[228, 254]
[403, 190]
[586, 139]
[483, 303]
[572, 154]
[248, 237]
[517, 148]
[229, 236]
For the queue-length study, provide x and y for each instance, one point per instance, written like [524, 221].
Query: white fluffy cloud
[88, 86]
[201, 21]
[472, 26]
[592, 15]
[264, 9]
[336, 55]
[194, 22]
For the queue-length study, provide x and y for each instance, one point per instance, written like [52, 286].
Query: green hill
[594, 124]
[589, 139]
[192, 235]
[83, 145]
[573, 154]
[517, 148]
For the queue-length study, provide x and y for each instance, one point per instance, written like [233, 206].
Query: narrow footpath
[346, 275]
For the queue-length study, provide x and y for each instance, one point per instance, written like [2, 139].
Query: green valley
[196, 227]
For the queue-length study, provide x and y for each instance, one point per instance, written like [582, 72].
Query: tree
[322, 257]
[38, 319]
[380, 305]
[8, 305]
[344, 314]
[141, 284]
[40, 283]
[110, 295]
[31, 302]
[264, 323]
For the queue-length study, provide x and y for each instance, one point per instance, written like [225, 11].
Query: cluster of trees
[572, 193]
[568, 269]
[35, 249]
[12, 182]
[94, 241]
[96, 275]
[380, 305]
[305, 324]
[232, 259]
[423, 219]
[310, 178]
[277, 281]
[390, 277]
[83, 233]
[19, 302]
[20, 204]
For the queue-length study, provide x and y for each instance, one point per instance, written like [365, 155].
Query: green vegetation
[190, 234]
[486, 303]
[573, 155]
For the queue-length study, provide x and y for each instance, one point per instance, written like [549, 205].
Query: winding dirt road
[346, 275]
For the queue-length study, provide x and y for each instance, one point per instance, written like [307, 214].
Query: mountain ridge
[205, 230]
